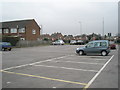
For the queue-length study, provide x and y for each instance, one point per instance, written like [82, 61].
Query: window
[103, 44]
[0, 30]
[13, 30]
[22, 38]
[90, 45]
[6, 30]
[33, 31]
[97, 44]
[22, 30]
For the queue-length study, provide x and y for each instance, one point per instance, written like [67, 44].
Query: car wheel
[4, 49]
[104, 53]
[9, 49]
[81, 52]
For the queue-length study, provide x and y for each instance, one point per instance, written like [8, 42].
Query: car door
[97, 47]
[89, 48]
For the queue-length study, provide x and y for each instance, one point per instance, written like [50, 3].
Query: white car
[58, 42]
[73, 42]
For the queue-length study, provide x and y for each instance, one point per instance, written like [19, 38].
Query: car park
[95, 47]
[5, 46]
[58, 42]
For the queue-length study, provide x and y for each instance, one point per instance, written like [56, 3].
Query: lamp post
[80, 26]
[103, 27]
[18, 30]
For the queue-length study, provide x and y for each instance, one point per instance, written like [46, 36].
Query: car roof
[4, 42]
[99, 41]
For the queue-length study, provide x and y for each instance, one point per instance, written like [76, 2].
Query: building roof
[16, 24]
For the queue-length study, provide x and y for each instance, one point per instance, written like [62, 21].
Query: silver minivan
[95, 47]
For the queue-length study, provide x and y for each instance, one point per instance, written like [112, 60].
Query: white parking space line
[92, 80]
[100, 59]
[66, 68]
[79, 62]
[92, 57]
[36, 62]
[86, 56]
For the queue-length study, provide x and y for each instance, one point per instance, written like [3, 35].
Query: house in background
[25, 29]
[45, 36]
[56, 36]
[68, 37]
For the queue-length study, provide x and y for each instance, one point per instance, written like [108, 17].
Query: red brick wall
[32, 25]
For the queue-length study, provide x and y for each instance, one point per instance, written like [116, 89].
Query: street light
[18, 30]
[103, 27]
[80, 26]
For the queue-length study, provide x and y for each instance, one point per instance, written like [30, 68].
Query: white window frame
[33, 31]
[21, 30]
[22, 38]
[13, 30]
[6, 30]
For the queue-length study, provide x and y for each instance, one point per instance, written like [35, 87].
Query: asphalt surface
[58, 67]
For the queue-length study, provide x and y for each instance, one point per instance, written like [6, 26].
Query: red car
[112, 45]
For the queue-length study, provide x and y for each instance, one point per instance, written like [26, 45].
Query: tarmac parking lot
[58, 67]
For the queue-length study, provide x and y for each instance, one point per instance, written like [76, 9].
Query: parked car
[112, 45]
[79, 42]
[73, 42]
[95, 47]
[5, 46]
[58, 42]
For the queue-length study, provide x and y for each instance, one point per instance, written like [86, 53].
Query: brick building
[25, 29]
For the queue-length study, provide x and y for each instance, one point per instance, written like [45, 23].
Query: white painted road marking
[36, 62]
[91, 81]
[80, 62]
[99, 59]
[8, 82]
[67, 68]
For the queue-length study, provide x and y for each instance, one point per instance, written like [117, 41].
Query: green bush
[46, 39]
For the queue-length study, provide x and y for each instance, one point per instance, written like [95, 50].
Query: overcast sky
[64, 15]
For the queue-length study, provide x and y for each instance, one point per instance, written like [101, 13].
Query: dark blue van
[5, 46]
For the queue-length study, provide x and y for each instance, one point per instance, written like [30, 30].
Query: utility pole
[80, 26]
[18, 30]
[103, 27]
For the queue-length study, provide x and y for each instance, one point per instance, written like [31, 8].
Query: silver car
[58, 42]
[96, 47]
[73, 42]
